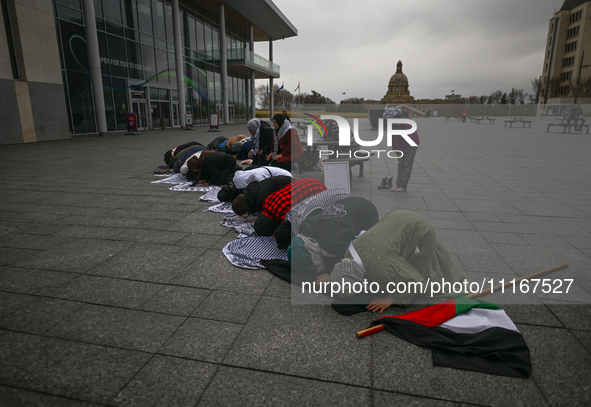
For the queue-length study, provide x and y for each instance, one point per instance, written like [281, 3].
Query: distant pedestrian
[577, 115]
[406, 162]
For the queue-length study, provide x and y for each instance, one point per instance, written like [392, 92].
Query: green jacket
[389, 253]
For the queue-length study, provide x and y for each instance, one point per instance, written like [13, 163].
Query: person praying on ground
[279, 203]
[254, 195]
[212, 168]
[286, 146]
[401, 248]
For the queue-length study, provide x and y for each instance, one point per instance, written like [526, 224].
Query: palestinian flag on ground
[467, 334]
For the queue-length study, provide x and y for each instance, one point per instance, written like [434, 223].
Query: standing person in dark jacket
[286, 148]
[212, 168]
[577, 115]
[406, 162]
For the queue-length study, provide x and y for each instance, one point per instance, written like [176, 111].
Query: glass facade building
[137, 63]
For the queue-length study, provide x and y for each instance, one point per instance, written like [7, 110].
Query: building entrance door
[160, 114]
[231, 113]
[139, 108]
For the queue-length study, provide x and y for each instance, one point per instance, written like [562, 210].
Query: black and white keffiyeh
[249, 251]
[212, 195]
[279, 133]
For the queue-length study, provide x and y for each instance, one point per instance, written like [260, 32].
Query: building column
[94, 64]
[178, 61]
[226, 109]
[253, 112]
[272, 91]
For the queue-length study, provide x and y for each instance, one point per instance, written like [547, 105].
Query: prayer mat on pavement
[249, 251]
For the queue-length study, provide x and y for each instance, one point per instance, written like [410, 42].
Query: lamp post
[581, 66]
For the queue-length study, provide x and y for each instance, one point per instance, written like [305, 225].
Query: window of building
[575, 17]
[568, 61]
[565, 76]
[573, 32]
[572, 46]
[563, 90]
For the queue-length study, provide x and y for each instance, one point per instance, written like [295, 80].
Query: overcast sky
[471, 46]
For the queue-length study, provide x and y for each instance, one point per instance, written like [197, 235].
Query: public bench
[477, 120]
[565, 126]
[490, 121]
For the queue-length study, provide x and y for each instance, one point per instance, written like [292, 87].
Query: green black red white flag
[465, 333]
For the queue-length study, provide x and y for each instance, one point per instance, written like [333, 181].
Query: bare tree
[281, 96]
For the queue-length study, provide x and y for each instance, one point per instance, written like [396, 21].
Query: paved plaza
[115, 292]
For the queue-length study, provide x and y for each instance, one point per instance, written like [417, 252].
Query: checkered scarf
[279, 203]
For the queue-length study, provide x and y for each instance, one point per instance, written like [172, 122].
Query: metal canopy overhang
[268, 21]
[245, 68]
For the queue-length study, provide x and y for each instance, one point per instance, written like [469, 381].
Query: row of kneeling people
[278, 146]
[337, 237]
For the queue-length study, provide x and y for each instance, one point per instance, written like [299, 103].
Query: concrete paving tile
[39, 315]
[505, 238]
[556, 290]
[224, 240]
[123, 328]
[127, 234]
[26, 241]
[78, 255]
[201, 240]
[35, 217]
[549, 209]
[528, 259]
[69, 369]
[408, 369]
[531, 314]
[278, 288]
[308, 341]
[443, 215]
[381, 398]
[226, 306]
[100, 221]
[575, 316]
[233, 386]
[213, 271]
[484, 261]
[29, 281]
[107, 291]
[200, 222]
[440, 204]
[166, 381]
[10, 302]
[11, 396]
[481, 217]
[544, 240]
[486, 206]
[578, 241]
[462, 241]
[397, 202]
[201, 339]
[148, 262]
[156, 224]
[176, 300]
[10, 256]
[584, 337]
[451, 224]
[560, 365]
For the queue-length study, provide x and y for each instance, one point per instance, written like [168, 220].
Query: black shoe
[389, 184]
[383, 185]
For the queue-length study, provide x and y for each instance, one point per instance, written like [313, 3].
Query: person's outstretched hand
[323, 278]
[381, 304]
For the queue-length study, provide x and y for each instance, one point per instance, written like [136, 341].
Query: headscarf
[284, 126]
[254, 125]
[392, 112]
[240, 205]
[264, 226]
[349, 271]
